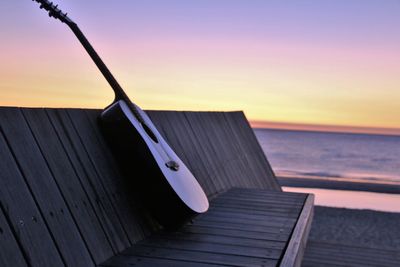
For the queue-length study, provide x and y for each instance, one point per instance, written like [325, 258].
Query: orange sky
[325, 65]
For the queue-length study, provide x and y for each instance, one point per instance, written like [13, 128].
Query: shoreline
[339, 185]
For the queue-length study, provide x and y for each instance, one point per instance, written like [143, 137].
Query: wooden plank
[216, 231]
[284, 202]
[194, 145]
[249, 176]
[10, 252]
[80, 206]
[198, 256]
[19, 207]
[200, 145]
[276, 217]
[129, 261]
[227, 249]
[275, 223]
[97, 191]
[240, 208]
[211, 155]
[295, 250]
[219, 239]
[246, 194]
[44, 189]
[242, 211]
[263, 193]
[245, 227]
[255, 156]
[241, 156]
[221, 141]
[260, 204]
[249, 212]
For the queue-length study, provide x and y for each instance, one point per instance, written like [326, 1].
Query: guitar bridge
[173, 165]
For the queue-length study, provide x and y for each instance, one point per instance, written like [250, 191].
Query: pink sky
[303, 62]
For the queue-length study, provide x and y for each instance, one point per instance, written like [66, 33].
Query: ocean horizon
[353, 157]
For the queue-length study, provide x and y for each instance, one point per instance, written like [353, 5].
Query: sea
[339, 156]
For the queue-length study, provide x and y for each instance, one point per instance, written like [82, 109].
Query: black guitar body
[145, 170]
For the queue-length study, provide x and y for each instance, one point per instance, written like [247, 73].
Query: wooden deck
[244, 227]
[63, 200]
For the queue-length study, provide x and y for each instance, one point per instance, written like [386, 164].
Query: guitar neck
[119, 92]
[56, 13]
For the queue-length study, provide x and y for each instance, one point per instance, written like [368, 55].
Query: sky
[333, 62]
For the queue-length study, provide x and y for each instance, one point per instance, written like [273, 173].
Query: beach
[351, 237]
[348, 237]
[356, 184]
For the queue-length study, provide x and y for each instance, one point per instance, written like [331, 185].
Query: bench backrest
[63, 199]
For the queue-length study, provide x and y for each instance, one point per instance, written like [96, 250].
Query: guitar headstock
[53, 10]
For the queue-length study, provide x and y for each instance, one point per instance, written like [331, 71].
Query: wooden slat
[227, 249]
[19, 206]
[250, 212]
[44, 189]
[217, 231]
[295, 250]
[278, 216]
[221, 239]
[256, 157]
[129, 261]
[245, 222]
[80, 206]
[10, 251]
[245, 227]
[91, 179]
[199, 256]
[83, 165]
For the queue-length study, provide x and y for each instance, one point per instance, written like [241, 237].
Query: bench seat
[244, 227]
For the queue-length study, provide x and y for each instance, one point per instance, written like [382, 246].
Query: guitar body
[173, 196]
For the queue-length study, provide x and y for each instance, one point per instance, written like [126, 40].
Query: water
[352, 157]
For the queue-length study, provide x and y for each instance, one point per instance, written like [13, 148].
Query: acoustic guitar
[155, 173]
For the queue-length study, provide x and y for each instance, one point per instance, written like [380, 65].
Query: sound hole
[150, 133]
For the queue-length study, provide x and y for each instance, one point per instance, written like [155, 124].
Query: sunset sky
[303, 62]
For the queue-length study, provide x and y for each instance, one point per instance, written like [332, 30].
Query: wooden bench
[244, 227]
[63, 200]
